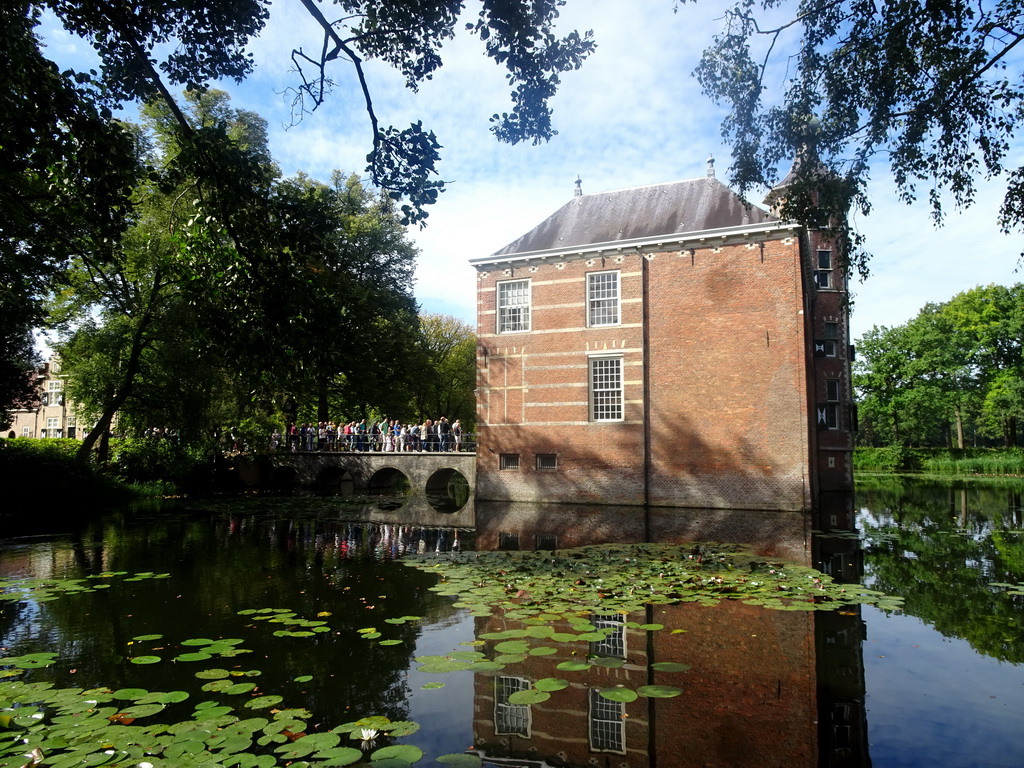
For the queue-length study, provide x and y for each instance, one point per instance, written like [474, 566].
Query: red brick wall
[727, 372]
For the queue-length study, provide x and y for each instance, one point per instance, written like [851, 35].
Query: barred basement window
[606, 389]
[508, 542]
[508, 461]
[603, 298]
[607, 726]
[514, 306]
[614, 643]
[511, 719]
[547, 461]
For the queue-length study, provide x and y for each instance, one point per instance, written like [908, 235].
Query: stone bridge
[445, 481]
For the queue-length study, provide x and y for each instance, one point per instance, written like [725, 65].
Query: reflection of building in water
[511, 525]
[748, 698]
[839, 638]
[765, 687]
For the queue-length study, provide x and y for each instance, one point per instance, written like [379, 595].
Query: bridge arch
[391, 485]
[335, 481]
[447, 490]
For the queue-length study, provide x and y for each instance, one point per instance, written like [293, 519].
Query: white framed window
[24, 431]
[508, 461]
[55, 385]
[513, 306]
[614, 629]
[606, 389]
[547, 461]
[512, 719]
[607, 724]
[823, 269]
[603, 298]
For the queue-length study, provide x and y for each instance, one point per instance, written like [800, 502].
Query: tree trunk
[120, 396]
[959, 428]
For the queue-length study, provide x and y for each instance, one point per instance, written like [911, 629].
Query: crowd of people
[386, 435]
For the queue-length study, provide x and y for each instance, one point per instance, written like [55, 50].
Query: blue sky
[633, 115]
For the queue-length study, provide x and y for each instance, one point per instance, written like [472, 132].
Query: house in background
[51, 415]
[668, 345]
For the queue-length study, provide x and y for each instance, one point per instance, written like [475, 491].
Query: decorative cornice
[709, 238]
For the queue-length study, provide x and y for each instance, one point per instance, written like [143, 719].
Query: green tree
[322, 290]
[70, 172]
[65, 185]
[954, 364]
[446, 384]
[931, 88]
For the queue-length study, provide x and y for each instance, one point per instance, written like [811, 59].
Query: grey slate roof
[677, 207]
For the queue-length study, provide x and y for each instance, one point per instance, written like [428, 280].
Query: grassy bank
[940, 461]
[44, 472]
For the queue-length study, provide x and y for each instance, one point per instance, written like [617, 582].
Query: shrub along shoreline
[973, 462]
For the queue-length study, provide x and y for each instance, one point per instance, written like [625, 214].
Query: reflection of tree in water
[220, 564]
[940, 547]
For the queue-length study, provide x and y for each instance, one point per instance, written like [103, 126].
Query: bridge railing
[373, 444]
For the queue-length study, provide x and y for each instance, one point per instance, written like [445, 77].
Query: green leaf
[658, 691]
[622, 695]
[529, 696]
[407, 752]
[461, 760]
[551, 684]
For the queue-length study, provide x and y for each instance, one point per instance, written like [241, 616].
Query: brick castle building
[668, 345]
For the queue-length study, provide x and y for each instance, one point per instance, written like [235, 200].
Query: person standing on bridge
[444, 434]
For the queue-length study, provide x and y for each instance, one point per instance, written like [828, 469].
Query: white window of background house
[606, 388]
[603, 298]
[514, 306]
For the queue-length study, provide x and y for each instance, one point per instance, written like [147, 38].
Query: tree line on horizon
[951, 377]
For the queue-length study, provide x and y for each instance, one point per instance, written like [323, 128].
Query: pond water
[244, 632]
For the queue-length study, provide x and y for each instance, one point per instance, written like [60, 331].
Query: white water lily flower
[368, 734]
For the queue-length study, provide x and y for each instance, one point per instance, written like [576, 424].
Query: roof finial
[711, 167]
[579, 186]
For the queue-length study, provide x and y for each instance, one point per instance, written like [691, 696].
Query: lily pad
[407, 752]
[144, 659]
[658, 691]
[529, 696]
[622, 695]
[461, 760]
[550, 684]
[264, 702]
[573, 666]
[670, 666]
